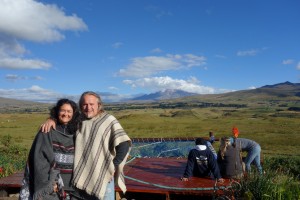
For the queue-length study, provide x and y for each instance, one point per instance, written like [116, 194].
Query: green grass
[280, 181]
[21, 127]
[276, 130]
[276, 135]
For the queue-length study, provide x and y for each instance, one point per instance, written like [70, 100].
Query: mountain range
[277, 91]
[267, 92]
[163, 95]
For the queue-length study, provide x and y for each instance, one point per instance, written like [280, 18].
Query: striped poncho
[96, 141]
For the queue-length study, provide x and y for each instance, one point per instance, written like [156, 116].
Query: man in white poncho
[102, 147]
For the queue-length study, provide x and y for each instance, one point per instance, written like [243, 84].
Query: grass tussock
[273, 185]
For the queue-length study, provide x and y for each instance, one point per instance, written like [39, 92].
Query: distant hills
[281, 90]
[6, 102]
[285, 85]
[10, 105]
[286, 91]
[163, 95]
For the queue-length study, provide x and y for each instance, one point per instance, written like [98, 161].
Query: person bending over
[252, 148]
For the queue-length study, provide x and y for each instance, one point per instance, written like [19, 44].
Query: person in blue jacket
[201, 162]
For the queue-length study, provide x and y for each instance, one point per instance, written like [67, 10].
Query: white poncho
[95, 150]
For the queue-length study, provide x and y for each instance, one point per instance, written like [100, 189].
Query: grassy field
[277, 135]
[21, 127]
[275, 127]
[270, 117]
[278, 132]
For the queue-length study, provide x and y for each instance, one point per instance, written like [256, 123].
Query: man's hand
[184, 179]
[46, 127]
[220, 180]
[55, 188]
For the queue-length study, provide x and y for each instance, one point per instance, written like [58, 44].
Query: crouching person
[201, 162]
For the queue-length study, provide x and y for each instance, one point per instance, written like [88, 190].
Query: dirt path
[11, 197]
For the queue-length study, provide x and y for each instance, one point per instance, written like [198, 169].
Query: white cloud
[34, 93]
[38, 94]
[37, 78]
[113, 88]
[19, 63]
[117, 45]
[32, 21]
[12, 56]
[15, 77]
[162, 83]
[193, 60]
[251, 52]
[288, 62]
[158, 12]
[220, 56]
[156, 50]
[10, 46]
[163, 14]
[146, 66]
[110, 97]
[150, 65]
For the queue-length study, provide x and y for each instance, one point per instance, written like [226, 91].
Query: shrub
[280, 181]
[270, 186]
[284, 164]
[6, 140]
[12, 157]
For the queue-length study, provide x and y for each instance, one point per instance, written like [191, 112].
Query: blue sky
[52, 49]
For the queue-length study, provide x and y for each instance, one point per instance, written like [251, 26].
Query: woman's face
[65, 114]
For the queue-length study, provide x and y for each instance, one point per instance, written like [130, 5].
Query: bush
[284, 164]
[280, 181]
[270, 186]
[6, 140]
[12, 157]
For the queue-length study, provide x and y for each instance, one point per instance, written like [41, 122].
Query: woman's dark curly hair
[73, 124]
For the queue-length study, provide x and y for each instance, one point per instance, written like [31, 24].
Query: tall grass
[273, 185]
[280, 181]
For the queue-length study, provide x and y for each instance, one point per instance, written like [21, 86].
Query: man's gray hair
[100, 104]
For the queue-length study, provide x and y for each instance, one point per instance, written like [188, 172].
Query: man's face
[90, 106]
